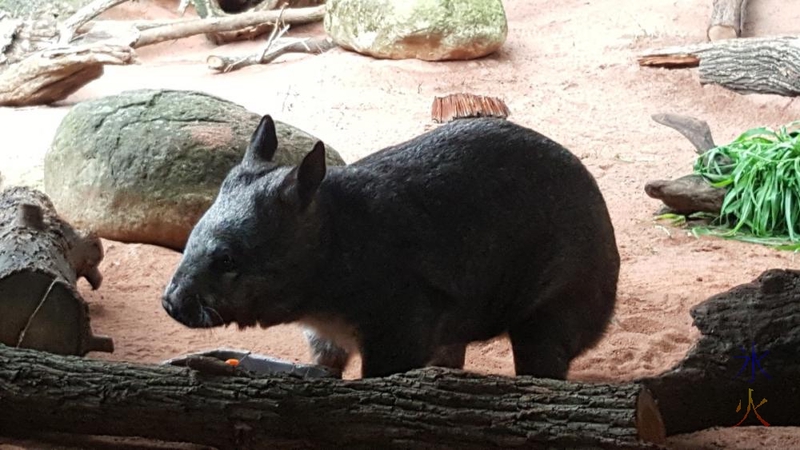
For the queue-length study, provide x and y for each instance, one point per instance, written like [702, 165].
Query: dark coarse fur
[478, 228]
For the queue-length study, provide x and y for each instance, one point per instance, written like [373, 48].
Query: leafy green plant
[761, 170]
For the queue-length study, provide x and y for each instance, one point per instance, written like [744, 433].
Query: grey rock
[429, 30]
[144, 165]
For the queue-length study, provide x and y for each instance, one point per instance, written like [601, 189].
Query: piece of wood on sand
[691, 193]
[753, 65]
[745, 366]
[464, 105]
[48, 76]
[727, 19]
[440, 408]
[41, 259]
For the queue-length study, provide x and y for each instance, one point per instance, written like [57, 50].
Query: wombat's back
[483, 209]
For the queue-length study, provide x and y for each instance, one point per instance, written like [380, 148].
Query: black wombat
[475, 229]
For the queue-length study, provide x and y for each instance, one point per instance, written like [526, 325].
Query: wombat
[476, 229]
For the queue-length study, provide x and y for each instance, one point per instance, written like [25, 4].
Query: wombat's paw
[94, 277]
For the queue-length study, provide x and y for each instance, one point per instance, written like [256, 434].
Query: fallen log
[41, 259]
[745, 367]
[753, 65]
[48, 76]
[432, 407]
[727, 19]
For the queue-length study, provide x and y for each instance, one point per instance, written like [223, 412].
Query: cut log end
[669, 61]
[216, 63]
[721, 32]
[727, 19]
[649, 423]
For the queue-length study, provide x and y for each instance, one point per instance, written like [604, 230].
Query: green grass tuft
[761, 169]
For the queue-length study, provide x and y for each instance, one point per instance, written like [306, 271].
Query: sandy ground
[567, 70]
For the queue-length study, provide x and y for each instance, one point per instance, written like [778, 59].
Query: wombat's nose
[166, 303]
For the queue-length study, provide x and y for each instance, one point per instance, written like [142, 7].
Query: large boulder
[144, 165]
[431, 30]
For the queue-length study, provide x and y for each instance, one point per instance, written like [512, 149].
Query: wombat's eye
[222, 263]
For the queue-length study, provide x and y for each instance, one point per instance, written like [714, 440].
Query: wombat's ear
[307, 177]
[264, 142]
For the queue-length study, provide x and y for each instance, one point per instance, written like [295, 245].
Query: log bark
[426, 408]
[48, 76]
[753, 65]
[705, 389]
[727, 19]
[41, 258]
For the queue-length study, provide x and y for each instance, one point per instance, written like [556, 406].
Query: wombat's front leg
[326, 353]
[451, 356]
[394, 351]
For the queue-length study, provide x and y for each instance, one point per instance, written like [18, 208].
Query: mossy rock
[144, 165]
[432, 30]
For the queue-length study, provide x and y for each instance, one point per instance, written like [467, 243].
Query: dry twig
[312, 46]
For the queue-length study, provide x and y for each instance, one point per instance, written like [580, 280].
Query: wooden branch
[307, 45]
[687, 195]
[463, 105]
[41, 257]
[52, 75]
[752, 65]
[421, 409]
[692, 193]
[727, 19]
[83, 16]
[705, 389]
[696, 131]
[293, 16]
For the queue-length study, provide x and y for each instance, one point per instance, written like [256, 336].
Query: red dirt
[567, 70]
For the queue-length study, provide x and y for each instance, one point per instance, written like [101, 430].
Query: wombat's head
[257, 244]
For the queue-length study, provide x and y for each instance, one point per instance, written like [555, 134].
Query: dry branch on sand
[428, 407]
[307, 45]
[753, 65]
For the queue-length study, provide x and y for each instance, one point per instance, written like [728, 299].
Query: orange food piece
[232, 362]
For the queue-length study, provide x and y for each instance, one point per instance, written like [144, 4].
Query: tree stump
[426, 408]
[749, 350]
[41, 258]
